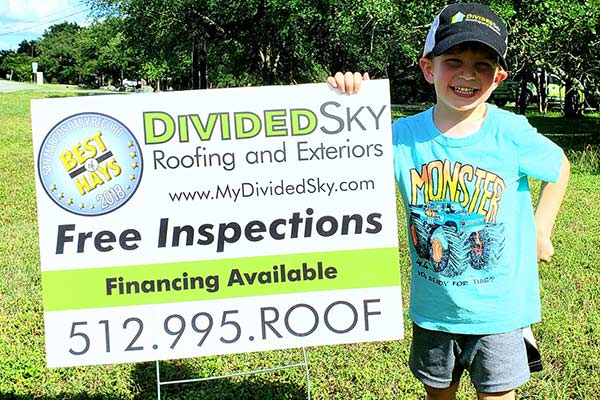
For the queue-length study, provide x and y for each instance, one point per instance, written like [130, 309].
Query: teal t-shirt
[470, 220]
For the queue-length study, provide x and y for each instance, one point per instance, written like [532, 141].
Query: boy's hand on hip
[545, 249]
[349, 82]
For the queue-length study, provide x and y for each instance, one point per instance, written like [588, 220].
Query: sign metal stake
[304, 364]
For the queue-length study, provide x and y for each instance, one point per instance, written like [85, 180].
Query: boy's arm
[551, 195]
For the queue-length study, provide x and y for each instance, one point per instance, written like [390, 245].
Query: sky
[28, 19]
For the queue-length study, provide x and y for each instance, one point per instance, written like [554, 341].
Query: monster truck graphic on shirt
[448, 238]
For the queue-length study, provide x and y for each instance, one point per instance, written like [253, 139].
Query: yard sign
[199, 223]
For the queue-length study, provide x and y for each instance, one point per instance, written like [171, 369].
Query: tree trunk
[573, 108]
[542, 92]
[267, 65]
[202, 69]
[523, 96]
[195, 66]
[199, 80]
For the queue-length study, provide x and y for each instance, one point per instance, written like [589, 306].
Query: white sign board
[197, 223]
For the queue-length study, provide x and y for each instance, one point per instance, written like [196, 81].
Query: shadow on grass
[248, 387]
[570, 134]
[578, 137]
[71, 94]
[10, 396]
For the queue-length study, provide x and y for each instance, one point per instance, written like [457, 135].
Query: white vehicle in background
[555, 92]
[130, 83]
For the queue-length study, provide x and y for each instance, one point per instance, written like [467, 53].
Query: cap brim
[456, 39]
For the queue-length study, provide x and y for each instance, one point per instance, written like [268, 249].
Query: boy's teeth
[464, 90]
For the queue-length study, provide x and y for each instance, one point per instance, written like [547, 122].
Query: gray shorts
[496, 363]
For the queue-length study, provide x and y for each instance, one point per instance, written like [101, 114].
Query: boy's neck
[457, 124]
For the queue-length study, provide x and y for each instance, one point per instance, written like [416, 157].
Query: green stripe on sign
[219, 279]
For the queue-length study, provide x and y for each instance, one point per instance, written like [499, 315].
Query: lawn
[569, 336]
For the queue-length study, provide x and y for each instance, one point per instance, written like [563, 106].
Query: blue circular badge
[90, 164]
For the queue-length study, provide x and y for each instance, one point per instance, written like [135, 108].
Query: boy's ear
[426, 65]
[500, 76]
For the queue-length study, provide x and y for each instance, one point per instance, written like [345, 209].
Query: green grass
[569, 335]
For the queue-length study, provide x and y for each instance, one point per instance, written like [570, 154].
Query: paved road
[10, 86]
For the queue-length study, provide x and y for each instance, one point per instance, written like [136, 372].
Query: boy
[462, 169]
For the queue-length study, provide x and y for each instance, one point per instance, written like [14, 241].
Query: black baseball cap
[467, 22]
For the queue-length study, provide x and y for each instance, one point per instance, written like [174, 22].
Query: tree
[28, 47]
[19, 65]
[60, 56]
[3, 55]
[106, 56]
[279, 41]
[273, 41]
[554, 36]
[575, 42]
[151, 29]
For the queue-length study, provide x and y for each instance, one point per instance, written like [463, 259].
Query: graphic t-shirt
[470, 220]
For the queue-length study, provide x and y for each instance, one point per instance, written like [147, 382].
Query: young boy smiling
[462, 168]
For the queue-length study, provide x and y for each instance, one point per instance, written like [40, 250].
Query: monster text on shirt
[476, 189]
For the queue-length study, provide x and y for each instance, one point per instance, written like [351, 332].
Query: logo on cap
[458, 17]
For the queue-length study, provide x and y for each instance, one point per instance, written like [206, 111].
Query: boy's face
[463, 78]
